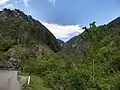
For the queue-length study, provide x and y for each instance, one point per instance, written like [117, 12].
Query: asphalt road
[8, 80]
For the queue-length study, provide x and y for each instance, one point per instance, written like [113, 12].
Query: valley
[89, 61]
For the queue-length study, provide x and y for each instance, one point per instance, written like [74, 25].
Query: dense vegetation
[89, 61]
[23, 38]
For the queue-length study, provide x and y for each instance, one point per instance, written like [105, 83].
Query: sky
[65, 18]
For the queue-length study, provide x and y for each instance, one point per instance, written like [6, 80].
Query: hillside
[62, 43]
[81, 46]
[89, 61]
[23, 38]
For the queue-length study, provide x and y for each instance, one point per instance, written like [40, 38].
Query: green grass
[36, 83]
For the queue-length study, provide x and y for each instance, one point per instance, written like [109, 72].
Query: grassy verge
[36, 83]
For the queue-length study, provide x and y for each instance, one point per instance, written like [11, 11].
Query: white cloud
[26, 2]
[2, 2]
[52, 1]
[64, 32]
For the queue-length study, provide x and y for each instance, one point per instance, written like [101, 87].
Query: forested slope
[23, 38]
[91, 61]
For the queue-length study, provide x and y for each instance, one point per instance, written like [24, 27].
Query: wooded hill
[22, 38]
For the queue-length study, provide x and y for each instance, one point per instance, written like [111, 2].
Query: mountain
[61, 42]
[77, 45]
[81, 46]
[89, 61]
[93, 57]
[24, 38]
[114, 24]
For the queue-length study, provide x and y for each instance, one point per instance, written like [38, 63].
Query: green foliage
[98, 71]
[23, 38]
[73, 80]
[90, 61]
[6, 44]
[66, 71]
[36, 84]
[23, 29]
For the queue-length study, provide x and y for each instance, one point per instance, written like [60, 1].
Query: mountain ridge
[22, 37]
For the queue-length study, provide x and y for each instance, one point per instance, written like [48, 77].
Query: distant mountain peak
[61, 42]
